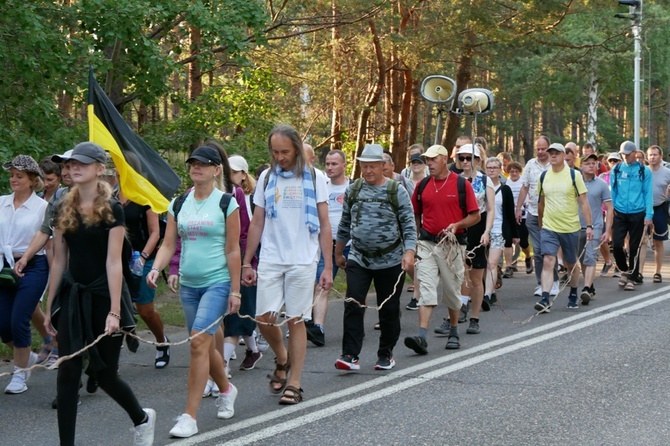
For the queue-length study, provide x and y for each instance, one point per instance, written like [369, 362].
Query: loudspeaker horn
[475, 101]
[438, 89]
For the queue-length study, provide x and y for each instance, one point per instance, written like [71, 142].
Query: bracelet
[248, 265]
[116, 315]
[233, 293]
[155, 269]
[144, 255]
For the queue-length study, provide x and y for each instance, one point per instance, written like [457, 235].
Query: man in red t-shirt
[438, 211]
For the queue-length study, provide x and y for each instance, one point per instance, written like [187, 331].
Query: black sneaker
[444, 328]
[162, 356]
[486, 303]
[494, 299]
[347, 362]
[509, 272]
[417, 343]
[585, 296]
[542, 306]
[637, 279]
[463, 316]
[316, 336]
[385, 363]
[413, 305]
[453, 343]
[92, 384]
[251, 358]
[529, 266]
[473, 328]
[606, 269]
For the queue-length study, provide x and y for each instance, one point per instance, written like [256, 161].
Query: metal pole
[636, 107]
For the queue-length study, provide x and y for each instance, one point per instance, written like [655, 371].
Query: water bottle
[136, 266]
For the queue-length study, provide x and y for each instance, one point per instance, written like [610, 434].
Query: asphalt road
[593, 376]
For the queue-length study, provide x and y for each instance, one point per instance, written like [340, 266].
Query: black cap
[205, 154]
[417, 157]
[88, 153]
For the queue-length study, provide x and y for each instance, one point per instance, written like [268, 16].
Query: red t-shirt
[441, 206]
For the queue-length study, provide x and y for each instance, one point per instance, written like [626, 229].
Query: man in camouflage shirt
[378, 218]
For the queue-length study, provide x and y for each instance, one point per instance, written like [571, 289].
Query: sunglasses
[464, 158]
[612, 161]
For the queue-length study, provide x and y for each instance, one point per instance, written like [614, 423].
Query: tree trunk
[194, 72]
[336, 123]
[372, 97]
[142, 116]
[463, 77]
[592, 114]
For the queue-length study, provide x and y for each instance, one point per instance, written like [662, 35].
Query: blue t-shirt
[202, 228]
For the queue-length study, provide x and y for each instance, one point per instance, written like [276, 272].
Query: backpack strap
[223, 204]
[462, 201]
[392, 194]
[420, 187]
[178, 203]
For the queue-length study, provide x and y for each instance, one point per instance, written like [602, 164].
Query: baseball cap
[62, 158]
[238, 164]
[434, 151]
[556, 146]
[627, 147]
[467, 148]
[88, 153]
[590, 155]
[416, 157]
[614, 156]
[205, 154]
[25, 163]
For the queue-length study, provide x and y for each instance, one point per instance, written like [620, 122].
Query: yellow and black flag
[145, 178]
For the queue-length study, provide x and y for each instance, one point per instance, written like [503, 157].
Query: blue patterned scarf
[311, 215]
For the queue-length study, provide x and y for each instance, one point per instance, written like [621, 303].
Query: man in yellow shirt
[561, 190]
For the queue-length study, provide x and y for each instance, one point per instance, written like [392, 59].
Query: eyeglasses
[465, 158]
[492, 167]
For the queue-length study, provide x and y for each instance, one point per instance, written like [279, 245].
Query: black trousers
[633, 226]
[359, 279]
[69, 375]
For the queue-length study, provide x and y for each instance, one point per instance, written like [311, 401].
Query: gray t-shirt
[659, 184]
[597, 192]
[372, 226]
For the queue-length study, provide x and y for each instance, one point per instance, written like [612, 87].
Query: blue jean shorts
[203, 306]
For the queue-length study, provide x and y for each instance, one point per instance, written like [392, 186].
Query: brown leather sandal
[294, 397]
[274, 379]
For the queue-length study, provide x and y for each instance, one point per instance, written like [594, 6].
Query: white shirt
[516, 190]
[531, 178]
[287, 240]
[18, 226]
[498, 219]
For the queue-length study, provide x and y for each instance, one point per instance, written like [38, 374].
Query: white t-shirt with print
[286, 240]
[479, 185]
[531, 178]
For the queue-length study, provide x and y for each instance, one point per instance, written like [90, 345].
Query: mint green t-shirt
[202, 229]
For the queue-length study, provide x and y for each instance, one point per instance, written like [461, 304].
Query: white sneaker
[144, 433]
[262, 344]
[185, 427]
[538, 291]
[228, 373]
[554, 289]
[226, 403]
[233, 356]
[18, 383]
[208, 388]
[215, 390]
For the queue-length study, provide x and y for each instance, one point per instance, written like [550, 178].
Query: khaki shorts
[434, 269]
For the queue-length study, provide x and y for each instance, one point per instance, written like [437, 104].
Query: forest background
[343, 72]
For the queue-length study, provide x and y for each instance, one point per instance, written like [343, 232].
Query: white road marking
[610, 311]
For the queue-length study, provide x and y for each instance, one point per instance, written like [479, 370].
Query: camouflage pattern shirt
[374, 227]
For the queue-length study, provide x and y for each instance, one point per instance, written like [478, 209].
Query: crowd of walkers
[457, 222]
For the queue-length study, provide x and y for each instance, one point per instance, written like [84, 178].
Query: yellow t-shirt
[560, 201]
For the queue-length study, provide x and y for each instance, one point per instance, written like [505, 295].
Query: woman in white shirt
[21, 215]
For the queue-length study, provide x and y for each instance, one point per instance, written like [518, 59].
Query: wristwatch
[144, 255]
[589, 226]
